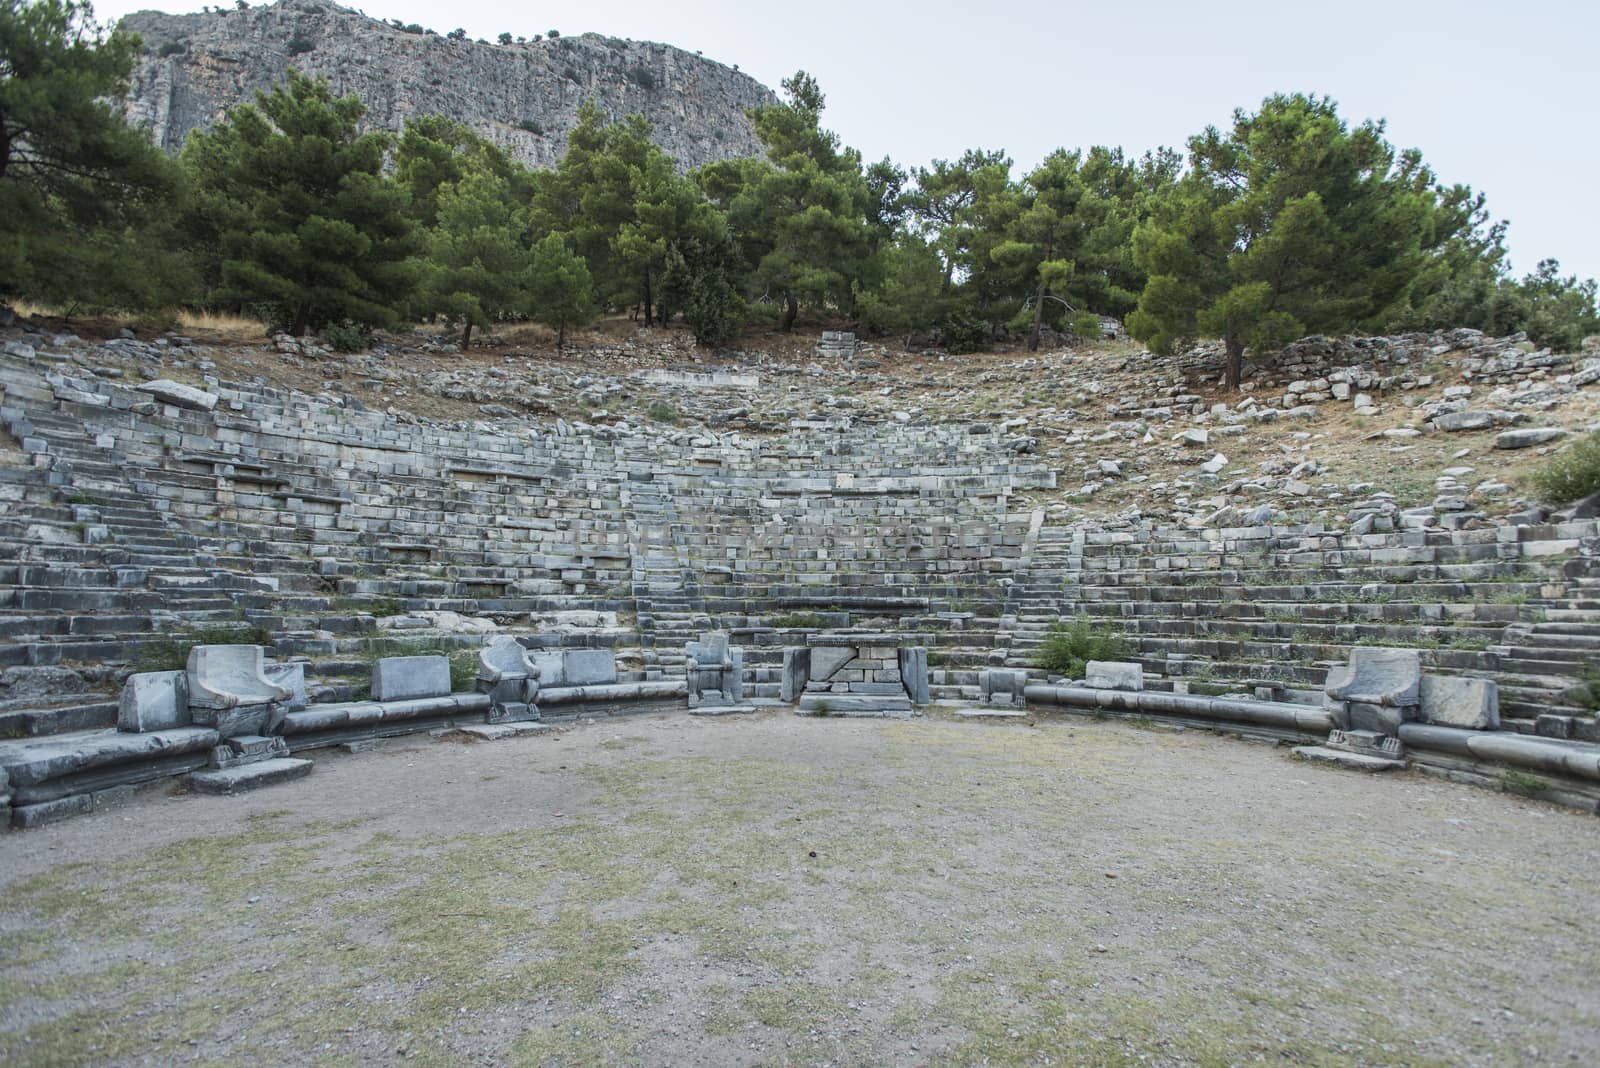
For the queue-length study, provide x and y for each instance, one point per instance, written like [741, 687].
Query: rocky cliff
[522, 96]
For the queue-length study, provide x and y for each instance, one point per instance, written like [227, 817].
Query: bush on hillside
[1572, 473]
[1069, 646]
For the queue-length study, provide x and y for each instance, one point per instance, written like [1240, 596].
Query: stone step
[35, 722]
[249, 776]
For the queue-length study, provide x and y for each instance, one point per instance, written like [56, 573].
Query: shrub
[300, 44]
[172, 48]
[531, 126]
[1069, 646]
[463, 670]
[504, 38]
[662, 412]
[1085, 326]
[346, 336]
[963, 333]
[797, 620]
[1572, 473]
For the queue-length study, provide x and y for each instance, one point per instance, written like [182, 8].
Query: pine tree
[296, 212]
[477, 264]
[560, 289]
[84, 198]
[801, 214]
[1288, 224]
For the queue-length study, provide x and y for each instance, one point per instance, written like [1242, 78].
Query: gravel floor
[776, 890]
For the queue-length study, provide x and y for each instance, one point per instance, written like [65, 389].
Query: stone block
[796, 673]
[550, 667]
[1113, 675]
[179, 395]
[250, 776]
[1002, 686]
[827, 660]
[505, 659]
[154, 701]
[589, 667]
[914, 673]
[406, 678]
[1528, 437]
[1387, 677]
[230, 676]
[1453, 701]
[291, 677]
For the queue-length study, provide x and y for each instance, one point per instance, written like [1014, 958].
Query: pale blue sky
[1498, 95]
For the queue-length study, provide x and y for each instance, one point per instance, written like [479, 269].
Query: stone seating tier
[325, 487]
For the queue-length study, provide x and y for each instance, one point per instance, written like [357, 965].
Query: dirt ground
[776, 890]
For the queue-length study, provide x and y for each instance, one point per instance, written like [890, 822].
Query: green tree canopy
[434, 150]
[478, 259]
[295, 209]
[560, 289]
[83, 196]
[801, 215]
[1290, 223]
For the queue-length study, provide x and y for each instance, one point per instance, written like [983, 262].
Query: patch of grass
[1069, 646]
[1468, 645]
[463, 670]
[1514, 781]
[224, 326]
[171, 653]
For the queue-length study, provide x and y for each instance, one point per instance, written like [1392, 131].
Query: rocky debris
[1453, 422]
[523, 96]
[179, 395]
[1522, 439]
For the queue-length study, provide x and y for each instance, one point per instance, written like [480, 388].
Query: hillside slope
[524, 97]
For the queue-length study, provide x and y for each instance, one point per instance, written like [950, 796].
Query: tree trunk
[791, 311]
[561, 337]
[1038, 318]
[301, 316]
[466, 336]
[1235, 366]
[649, 309]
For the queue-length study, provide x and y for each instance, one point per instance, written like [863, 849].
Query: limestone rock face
[524, 97]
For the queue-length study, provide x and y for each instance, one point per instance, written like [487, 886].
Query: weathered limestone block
[229, 690]
[154, 701]
[590, 667]
[510, 676]
[1452, 701]
[292, 677]
[1528, 437]
[914, 673]
[1113, 675]
[405, 678]
[1378, 690]
[179, 395]
[796, 673]
[1002, 686]
[826, 662]
[230, 676]
[715, 671]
